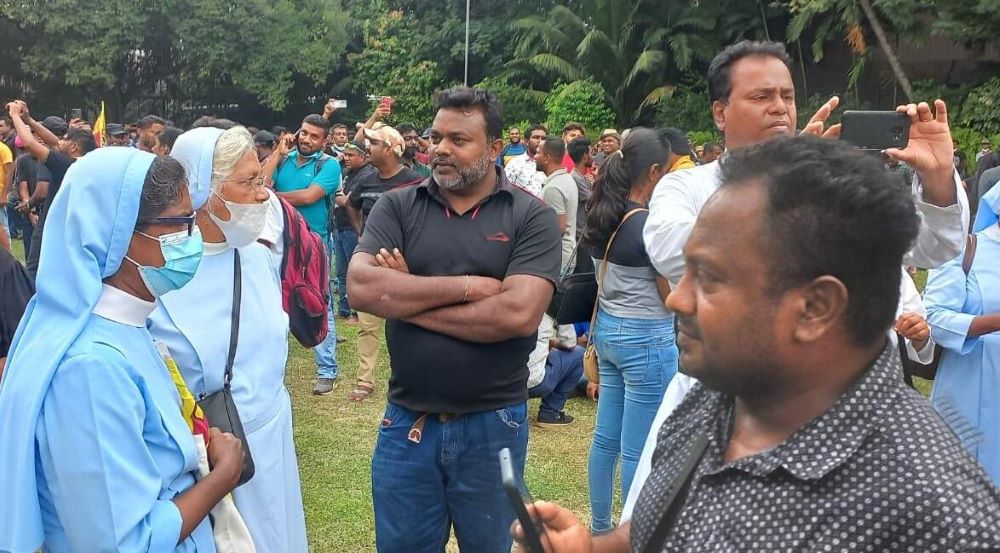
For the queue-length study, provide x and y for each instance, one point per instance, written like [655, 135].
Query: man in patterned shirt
[801, 435]
[521, 170]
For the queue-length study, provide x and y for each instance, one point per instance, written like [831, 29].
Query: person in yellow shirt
[6, 178]
[681, 156]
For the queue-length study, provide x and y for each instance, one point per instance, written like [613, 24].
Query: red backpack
[305, 279]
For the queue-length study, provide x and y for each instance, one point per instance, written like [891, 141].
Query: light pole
[468, 5]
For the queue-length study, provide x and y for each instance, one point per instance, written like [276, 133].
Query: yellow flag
[100, 128]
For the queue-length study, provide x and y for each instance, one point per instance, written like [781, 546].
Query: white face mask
[246, 222]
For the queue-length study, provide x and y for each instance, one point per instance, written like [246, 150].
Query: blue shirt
[290, 177]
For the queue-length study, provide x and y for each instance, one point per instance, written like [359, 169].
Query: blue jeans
[451, 477]
[563, 370]
[326, 351]
[343, 248]
[637, 359]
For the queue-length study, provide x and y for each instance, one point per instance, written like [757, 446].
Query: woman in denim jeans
[634, 334]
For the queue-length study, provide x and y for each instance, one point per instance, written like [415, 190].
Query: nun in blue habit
[964, 315]
[235, 212]
[96, 455]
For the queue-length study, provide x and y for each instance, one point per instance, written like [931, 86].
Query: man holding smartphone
[306, 177]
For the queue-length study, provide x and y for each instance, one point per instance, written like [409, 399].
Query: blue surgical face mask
[182, 254]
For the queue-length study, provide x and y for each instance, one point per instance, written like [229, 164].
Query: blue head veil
[89, 230]
[989, 206]
[195, 150]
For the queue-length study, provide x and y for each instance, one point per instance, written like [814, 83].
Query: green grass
[335, 438]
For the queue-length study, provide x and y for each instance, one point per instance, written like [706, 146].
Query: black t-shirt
[510, 233]
[57, 163]
[371, 187]
[629, 249]
[29, 170]
[16, 290]
[341, 220]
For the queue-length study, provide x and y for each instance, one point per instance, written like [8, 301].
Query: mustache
[442, 161]
[687, 325]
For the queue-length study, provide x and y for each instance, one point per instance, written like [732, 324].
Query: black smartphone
[76, 113]
[875, 130]
[519, 498]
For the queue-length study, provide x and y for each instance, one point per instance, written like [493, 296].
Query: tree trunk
[890, 54]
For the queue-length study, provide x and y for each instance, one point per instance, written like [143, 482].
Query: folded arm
[393, 294]
[515, 312]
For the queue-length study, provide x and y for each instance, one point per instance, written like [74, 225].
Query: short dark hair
[719, 83]
[406, 127]
[573, 126]
[6, 119]
[317, 120]
[149, 121]
[278, 130]
[578, 148]
[169, 136]
[712, 146]
[537, 127]
[83, 140]
[831, 210]
[338, 126]
[679, 143]
[165, 183]
[464, 97]
[554, 147]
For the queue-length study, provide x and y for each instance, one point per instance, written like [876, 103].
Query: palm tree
[630, 49]
[845, 18]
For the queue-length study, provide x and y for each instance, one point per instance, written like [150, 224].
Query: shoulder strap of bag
[234, 328]
[676, 495]
[604, 269]
[970, 253]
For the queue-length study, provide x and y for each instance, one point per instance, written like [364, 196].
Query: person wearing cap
[57, 152]
[985, 148]
[265, 145]
[609, 143]
[117, 135]
[356, 168]
[513, 148]
[306, 178]
[385, 148]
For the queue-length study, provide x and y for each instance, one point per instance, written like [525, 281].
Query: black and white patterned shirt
[879, 471]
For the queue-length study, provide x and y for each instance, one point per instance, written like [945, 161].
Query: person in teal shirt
[305, 176]
[96, 454]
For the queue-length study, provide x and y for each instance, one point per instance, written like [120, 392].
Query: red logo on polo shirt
[498, 237]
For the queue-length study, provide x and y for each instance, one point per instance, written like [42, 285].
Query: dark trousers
[343, 247]
[563, 371]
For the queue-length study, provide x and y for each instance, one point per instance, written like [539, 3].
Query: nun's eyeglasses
[188, 222]
[253, 183]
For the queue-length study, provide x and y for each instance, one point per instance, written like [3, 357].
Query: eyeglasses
[188, 221]
[253, 183]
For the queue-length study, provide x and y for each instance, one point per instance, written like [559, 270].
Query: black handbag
[574, 298]
[219, 407]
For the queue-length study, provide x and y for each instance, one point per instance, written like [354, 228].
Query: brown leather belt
[417, 430]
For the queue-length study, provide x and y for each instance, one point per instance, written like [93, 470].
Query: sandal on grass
[361, 393]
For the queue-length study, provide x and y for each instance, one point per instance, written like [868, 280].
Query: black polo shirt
[509, 233]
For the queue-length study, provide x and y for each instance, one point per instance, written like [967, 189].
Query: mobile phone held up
[75, 113]
[875, 130]
[386, 102]
[519, 499]
[340, 104]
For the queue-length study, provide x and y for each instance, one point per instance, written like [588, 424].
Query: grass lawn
[335, 439]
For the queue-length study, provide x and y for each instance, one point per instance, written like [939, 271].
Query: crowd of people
[754, 330]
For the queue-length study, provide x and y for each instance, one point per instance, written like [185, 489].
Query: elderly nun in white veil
[239, 219]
